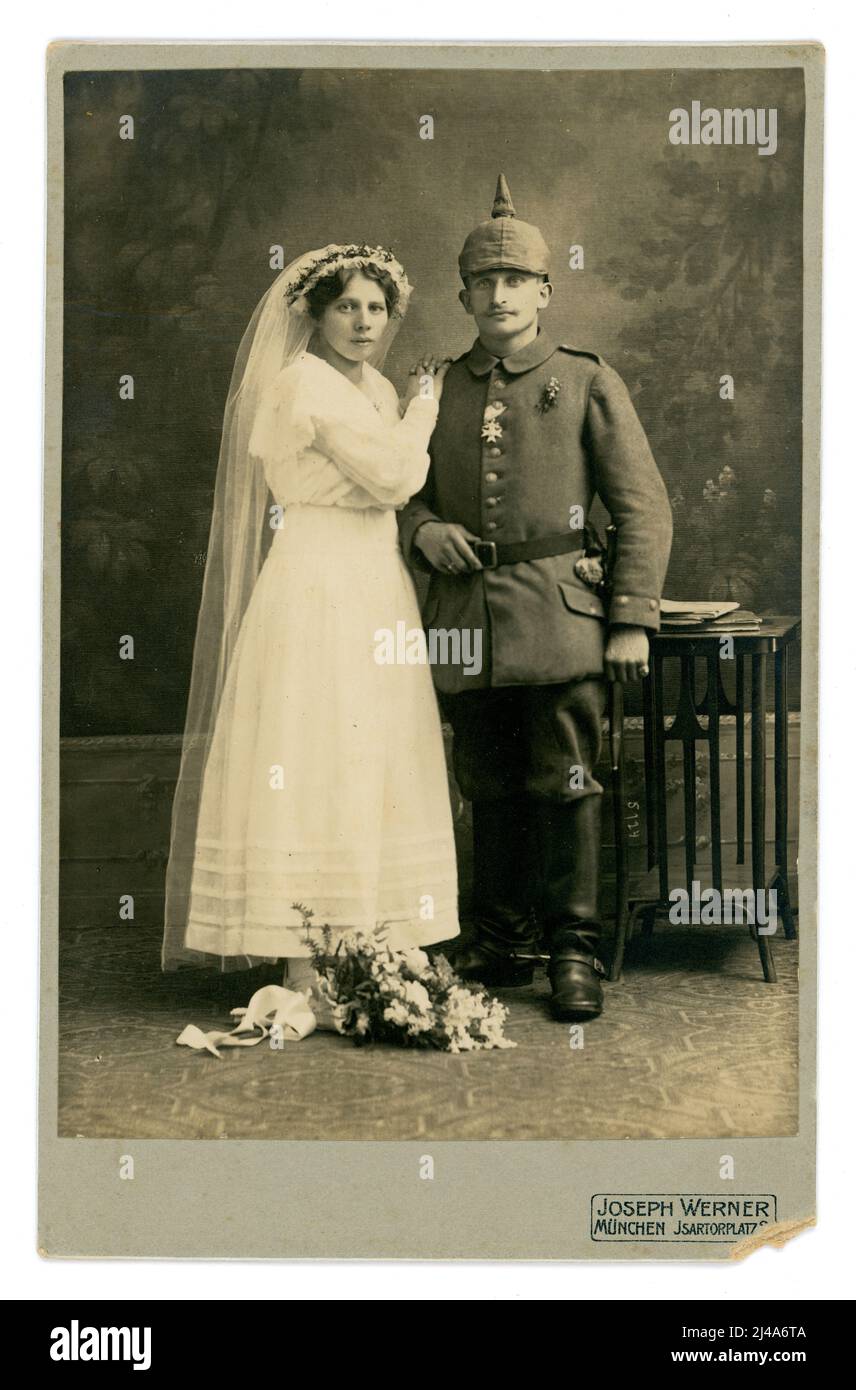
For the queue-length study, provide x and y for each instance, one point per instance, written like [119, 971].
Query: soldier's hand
[626, 656]
[446, 546]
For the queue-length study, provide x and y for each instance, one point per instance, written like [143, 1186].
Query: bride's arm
[281, 428]
[390, 462]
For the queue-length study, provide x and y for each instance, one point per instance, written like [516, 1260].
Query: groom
[528, 431]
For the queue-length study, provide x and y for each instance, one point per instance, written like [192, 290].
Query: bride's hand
[440, 377]
[428, 366]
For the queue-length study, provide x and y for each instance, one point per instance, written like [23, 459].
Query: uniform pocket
[584, 601]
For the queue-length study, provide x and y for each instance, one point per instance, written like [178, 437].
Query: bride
[310, 773]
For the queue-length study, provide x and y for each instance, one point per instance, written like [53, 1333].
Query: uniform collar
[481, 362]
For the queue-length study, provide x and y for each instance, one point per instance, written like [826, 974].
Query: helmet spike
[502, 204]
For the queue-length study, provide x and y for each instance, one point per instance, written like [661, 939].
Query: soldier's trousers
[524, 756]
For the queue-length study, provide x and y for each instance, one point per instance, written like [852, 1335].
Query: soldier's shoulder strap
[582, 352]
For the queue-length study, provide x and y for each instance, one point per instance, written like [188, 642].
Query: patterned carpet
[692, 1044]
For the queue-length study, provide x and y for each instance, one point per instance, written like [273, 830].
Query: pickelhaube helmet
[504, 242]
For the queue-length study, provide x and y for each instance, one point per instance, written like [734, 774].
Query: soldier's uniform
[521, 447]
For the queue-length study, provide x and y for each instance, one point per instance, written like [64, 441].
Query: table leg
[660, 767]
[650, 777]
[713, 750]
[781, 783]
[689, 811]
[616, 757]
[688, 740]
[759, 802]
[740, 751]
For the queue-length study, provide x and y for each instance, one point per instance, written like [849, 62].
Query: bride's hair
[330, 287]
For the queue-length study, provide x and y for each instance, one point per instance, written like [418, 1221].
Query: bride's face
[352, 324]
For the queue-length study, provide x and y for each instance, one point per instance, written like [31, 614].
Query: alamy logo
[757, 906]
[439, 646]
[76, 1343]
[731, 126]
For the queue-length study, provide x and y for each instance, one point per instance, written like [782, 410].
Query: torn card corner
[776, 1235]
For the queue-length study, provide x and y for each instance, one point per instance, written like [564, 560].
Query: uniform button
[492, 501]
[652, 603]
[500, 384]
[496, 405]
[622, 599]
[491, 525]
[494, 453]
[491, 477]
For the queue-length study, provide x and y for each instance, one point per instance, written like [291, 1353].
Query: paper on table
[708, 610]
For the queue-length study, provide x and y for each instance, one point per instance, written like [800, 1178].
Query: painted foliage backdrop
[692, 270]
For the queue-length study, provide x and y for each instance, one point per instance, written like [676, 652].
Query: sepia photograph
[435, 672]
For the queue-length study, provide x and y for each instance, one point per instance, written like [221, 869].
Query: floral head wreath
[316, 267]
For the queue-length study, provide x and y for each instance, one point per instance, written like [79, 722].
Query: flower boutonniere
[549, 395]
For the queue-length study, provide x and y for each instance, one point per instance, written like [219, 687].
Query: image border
[239, 1199]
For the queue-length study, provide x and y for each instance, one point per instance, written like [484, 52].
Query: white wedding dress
[326, 780]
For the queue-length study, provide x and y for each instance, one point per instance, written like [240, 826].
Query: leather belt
[491, 554]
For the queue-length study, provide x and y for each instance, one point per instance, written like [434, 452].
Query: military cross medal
[491, 429]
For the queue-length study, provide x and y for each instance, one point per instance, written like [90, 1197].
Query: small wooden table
[690, 647]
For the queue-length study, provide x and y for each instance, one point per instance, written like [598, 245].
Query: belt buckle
[489, 547]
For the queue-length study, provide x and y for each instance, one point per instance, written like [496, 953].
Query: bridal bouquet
[375, 993]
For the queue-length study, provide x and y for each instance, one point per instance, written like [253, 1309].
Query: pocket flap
[583, 601]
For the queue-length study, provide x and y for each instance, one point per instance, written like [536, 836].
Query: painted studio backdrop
[691, 271]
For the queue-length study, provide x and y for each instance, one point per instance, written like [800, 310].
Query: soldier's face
[505, 302]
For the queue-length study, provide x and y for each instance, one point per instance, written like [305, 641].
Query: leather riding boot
[502, 896]
[569, 835]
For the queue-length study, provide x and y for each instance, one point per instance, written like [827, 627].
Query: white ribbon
[272, 1007]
